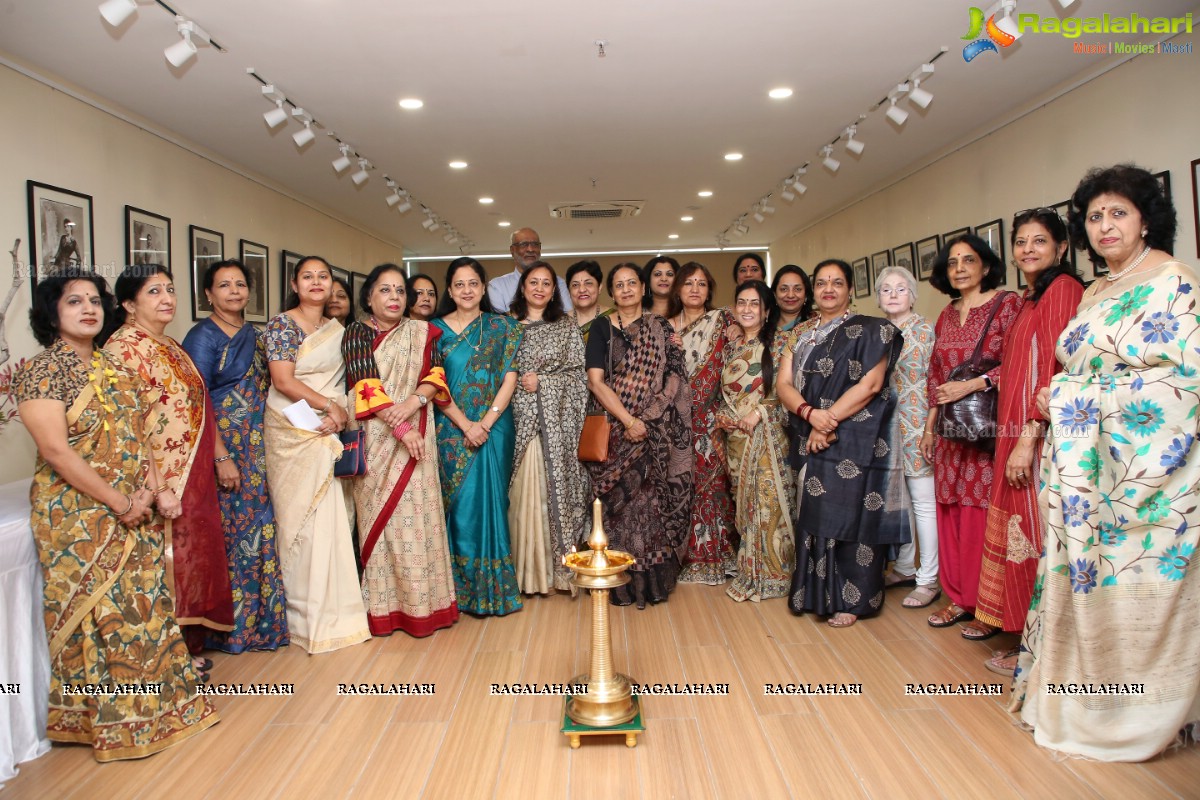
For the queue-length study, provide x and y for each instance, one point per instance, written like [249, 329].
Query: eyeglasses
[897, 291]
[523, 245]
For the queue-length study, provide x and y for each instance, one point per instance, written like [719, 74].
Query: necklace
[375, 324]
[479, 339]
[234, 325]
[158, 337]
[621, 323]
[1132, 266]
[684, 322]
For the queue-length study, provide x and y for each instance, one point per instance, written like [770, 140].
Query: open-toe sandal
[894, 578]
[921, 597]
[841, 620]
[1004, 662]
[950, 615]
[977, 631]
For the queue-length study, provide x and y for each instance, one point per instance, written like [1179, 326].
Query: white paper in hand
[301, 415]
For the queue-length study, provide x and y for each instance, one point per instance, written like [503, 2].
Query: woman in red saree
[183, 437]
[408, 583]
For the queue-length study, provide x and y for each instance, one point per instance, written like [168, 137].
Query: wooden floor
[464, 743]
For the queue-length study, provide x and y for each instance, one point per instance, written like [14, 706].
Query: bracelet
[403, 428]
[160, 490]
[226, 457]
[327, 406]
[800, 409]
[629, 425]
[128, 508]
[807, 413]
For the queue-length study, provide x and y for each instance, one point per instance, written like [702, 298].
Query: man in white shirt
[526, 249]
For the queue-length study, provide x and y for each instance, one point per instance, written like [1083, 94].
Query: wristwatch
[422, 400]
[496, 409]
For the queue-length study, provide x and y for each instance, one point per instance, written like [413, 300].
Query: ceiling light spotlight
[487, 201]
[685, 219]
[394, 198]
[733, 156]
[362, 175]
[788, 194]
[742, 228]
[704, 193]
[919, 95]
[458, 165]
[428, 224]
[276, 116]
[852, 144]
[766, 207]
[799, 187]
[895, 113]
[672, 235]
[780, 93]
[1007, 24]
[831, 163]
[759, 218]
[303, 137]
[117, 11]
[411, 103]
[184, 50]
[504, 223]
[1066, 3]
[404, 207]
[448, 238]
[342, 162]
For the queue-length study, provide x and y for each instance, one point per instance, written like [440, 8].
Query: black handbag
[353, 463]
[972, 419]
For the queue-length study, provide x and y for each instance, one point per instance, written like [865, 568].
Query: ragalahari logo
[995, 35]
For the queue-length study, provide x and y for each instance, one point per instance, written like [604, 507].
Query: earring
[1144, 232]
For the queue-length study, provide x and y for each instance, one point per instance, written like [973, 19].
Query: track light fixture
[765, 207]
[117, 11]
[303, 137]
[184, 50]
[919, 95]
[277, 115]
[759, 218]
[827, 159]
[363, 174]
[1006, 23]
[852, 144]
[342, 162]
[895, 113]
[428, 224]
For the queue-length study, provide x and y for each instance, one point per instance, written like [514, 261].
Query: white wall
[1146, 111]
[53, 138]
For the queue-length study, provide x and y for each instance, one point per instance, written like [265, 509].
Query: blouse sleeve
[200, 346]
[1055, 309]
[597, 345]
[283, 339]
[47, 378]
[1010, 306]
[362, 372]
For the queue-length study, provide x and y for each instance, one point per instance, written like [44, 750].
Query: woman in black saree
[850, 492]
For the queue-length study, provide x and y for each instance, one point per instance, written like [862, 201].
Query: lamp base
[630, 729]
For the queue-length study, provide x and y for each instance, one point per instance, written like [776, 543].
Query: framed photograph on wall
[1063, 209]
[951, 234]
[344, 274]
[1196, 201]
[902, 256]
[862, 277]
[254, 256]
[205, 247]
[878, 262]
[147, 238]
[60, 231]
[357, 281]
[927, 250]
[287, 265]
[1164, 180]
[993, 234]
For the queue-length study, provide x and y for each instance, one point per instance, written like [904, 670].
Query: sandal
[894, 578]
[948, 616]
[922, 596]
[977, 631]
[202, 664]
[841, 620]
[1004, 662]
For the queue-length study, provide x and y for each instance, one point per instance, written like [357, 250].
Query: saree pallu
[1117, 592]
[549, 491]
[475, 480]
[407, 582]
[763, 484]
[235, 371]
[646, 487]
[586, 328]
[108, 610]
[324, 602]
[852, 500]
[182, 433]
[711, 547]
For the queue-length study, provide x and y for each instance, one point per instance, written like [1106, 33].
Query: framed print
[147, 238]
[951, 234]
[878, 262]
[1063, 209]
[205, 247]
[357, 281]
[344, 274]
[60, 230]
[1196, 201]
[862, 277]
[1164, 180]
[902, 256]
[927, 250]
[254, 256]
[993, 233]
[287, 265]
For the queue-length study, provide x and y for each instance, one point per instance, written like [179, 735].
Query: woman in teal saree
[476, 439]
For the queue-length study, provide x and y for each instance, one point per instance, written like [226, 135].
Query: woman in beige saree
[407, 581]
[304, 352]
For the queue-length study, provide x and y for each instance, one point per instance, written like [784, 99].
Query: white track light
[799, 187]
[852, 144]
[362, 175]
[895, 113]
[117, 11]
[788, 194]
[303, 137]
[759, 218]
[429, 224]
[185, 49]
[276, 116]
[1006, 23]
[831, 163]
[404, 207]
[342, 162]
[919, 95]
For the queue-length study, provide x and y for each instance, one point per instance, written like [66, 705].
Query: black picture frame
[951, 234]
[1196, 201]
[56, 240]
[287, 264]
[357, 281]
[1063, 209]
[927, 253]
[1164, 180]
[993, 234]
[205, 247]
[862, 276]
[256, 257]
[147, 237]
[903, 256]
[879, 261]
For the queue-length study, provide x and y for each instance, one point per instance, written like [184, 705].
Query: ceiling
[518, 90]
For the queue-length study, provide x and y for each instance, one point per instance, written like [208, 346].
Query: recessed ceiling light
[705, 193]
[486, 200]
[685, 219]
[504, 224]
[458, 165]
[780, 93]
[411, 103]
[672, 235]
[733, 156]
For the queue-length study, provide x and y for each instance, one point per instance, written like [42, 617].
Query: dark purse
[593, 440]
[353, 463]
[972, 419]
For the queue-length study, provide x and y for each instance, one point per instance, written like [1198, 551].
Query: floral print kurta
[912, 402]
[1115, 598]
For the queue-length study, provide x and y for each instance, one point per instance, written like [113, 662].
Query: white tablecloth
[24, 658]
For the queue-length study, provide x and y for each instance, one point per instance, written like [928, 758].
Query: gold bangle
[630, 424]
[159, 490]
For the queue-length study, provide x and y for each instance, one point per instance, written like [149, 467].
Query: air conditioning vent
[612, 209]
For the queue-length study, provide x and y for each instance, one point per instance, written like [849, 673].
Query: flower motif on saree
[1078, 415]
[1174, 562]
[1129, 302]
[1083, 575]
[1142, 418]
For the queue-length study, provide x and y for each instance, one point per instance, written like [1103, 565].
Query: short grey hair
[909, 279]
